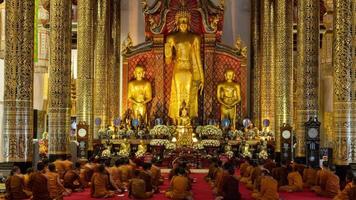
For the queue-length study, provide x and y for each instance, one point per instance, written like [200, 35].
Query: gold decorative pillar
[59, 77]
[85, 80]
[283, 64]
[114, 64]
[255, 56]
[18, 93]
[100, 67]
[344, 98]
[307, 68]
[267, 65]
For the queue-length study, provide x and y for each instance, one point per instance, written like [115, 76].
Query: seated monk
[269, 165]
[230, 184]
[332, 186]
[59, 167]
[309, 177]
[280, 174]
[137, 187]
[352, 192]
[217, 185]
[255, 173]
[115, 175]
[343, 195]
[38, 183]
[156, 175]
[86, 172]
[295, 181]
[71, 179]
[15, 185]
[99, 184]
[268, 189]
[321, 177]
[212, 170]
[125, 172]
[244, 165]
[245, 176]
[179, 186]
[146, 175]
[26, 178]
[67, 163]
[56, 189]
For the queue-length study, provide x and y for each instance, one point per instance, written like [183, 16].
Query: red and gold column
[18, 93]
[85, 81]
[307, 68]
[59, 77]
[344, 105]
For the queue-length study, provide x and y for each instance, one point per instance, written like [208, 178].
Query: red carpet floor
[202, 191]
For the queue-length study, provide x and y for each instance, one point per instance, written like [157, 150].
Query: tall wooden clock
[312, 141]
[286, 143]
[82, 138]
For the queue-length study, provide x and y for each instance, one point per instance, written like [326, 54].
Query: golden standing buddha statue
[188, 75]
[228, 94]
[139, 94]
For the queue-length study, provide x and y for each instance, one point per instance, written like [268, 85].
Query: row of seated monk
[62, 177]
[267, 179]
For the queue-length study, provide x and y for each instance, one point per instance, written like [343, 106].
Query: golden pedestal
[184, 135]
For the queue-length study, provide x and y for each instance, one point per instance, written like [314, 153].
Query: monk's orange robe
[243, 167]
[268, 189]
[115, 175]
[246, 175]
[280, 174]
[255, 173]
[60, 167]
[137, 189]
[71, 180]
[15, 188]
[309, 177]
[179, 188]
[99, 185]
[55, 190]
[321, 178]
[332, 186]
[295, 183]
[343, 195]
[39, 186]
[67, 165]
[156, 176]
[125, 173]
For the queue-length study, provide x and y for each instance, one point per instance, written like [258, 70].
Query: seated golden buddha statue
[125, 148]
[228, 95]
[141, 149]
[245, 150]
[139, 94]
[184, 128]
[188, 75]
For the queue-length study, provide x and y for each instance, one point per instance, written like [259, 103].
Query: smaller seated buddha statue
[245, 149]
[263, 154]
[184, 128]
[125, 148]
[43, 144]
[141, 149]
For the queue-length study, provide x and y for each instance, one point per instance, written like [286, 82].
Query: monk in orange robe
[179, 186]
[87, 172]
[295, 181]
[15, 186]
[280, 173]
[26, 177]
[71, 179]
[67, 163]
[146, 175]
[217, 189]
[268, 189]
[255, 173]
[230, 184]
[126, 171]
[321, 178]
[100, 183]
[115, 175]
[56, 189]
[38, 183]
[245, 176]
[59, 167]
[332, 186]
[309, 177]
[243, 167]
[212, 170]
[343, 195]
[137, 187]
[156, 175]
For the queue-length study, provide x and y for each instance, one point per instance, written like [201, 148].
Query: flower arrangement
[199, 129]
[210, 143]
[211, 132]
[198, 146]
[171, 146]
[159, 142]
[229, 154]
[161, 131]
[121, 132]
[123, 153]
